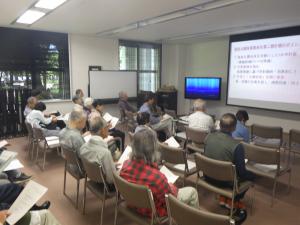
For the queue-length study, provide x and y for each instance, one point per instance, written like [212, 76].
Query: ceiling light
[220, 4]
[30, 16]
[126, 28]
[49, 4]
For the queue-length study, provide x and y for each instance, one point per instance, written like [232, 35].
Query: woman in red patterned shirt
[142, 169]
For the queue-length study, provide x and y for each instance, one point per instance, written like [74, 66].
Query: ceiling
[89, 17]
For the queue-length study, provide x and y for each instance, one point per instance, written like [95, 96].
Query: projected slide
[265, 73]
[202, 87]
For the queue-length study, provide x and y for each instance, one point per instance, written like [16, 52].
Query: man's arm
[239, 161]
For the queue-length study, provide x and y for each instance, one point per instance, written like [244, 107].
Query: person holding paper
[96, 149]
[222, 146]
[142, 169]
[98, 111]
[199, 119]
[157, 122]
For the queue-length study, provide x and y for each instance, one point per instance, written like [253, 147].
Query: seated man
[221, 146]
[97, 111]
[37, 119]
[143, 121]
[142, 169]
[124, 104]
[31, 102]
[71, 135]
[199, 119]
[241, 131]
[156, 121]
[96, 150]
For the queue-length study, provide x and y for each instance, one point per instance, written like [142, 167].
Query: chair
[73, 167]
[221, 171]
[30, 139]
[131, 121]
[196, 137]
[44, 144]
[183, 214]
[95, 182]
[171, 112]
[171, 157]
[138, 196]
[265, 162]
[294, 141]
[261, 134]
[130, 134]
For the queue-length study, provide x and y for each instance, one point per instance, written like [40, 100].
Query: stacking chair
[265, 162]
[274, 134]
[137, 196]
[294, 141]
[73, 167]
[221, 171]
[195, 139]
[43, 144]
[183, 214]
[172, 157]
[95, 182]
[30, 139]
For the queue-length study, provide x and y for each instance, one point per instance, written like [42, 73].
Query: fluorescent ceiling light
[49, 4]
[220, 4]
[126, 28]
[30, 16]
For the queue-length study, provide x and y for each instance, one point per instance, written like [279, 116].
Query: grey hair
[76, 116]
[122, 94]
[96, 124]
[144, 146]
[88, 102]
[199, 104]
[31, 99]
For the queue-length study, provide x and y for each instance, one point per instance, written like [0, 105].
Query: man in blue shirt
[241, 131]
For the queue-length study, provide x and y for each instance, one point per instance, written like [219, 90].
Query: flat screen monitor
[208, 88]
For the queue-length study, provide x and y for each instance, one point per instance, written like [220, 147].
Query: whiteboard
[106, 84]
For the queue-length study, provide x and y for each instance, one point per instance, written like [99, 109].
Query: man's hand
[3, 215]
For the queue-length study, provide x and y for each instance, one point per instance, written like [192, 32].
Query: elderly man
[31, 102]
[221, 146]
[199, 119]
[157, 122]
[96, 150]
[142, 169]
[124, 104]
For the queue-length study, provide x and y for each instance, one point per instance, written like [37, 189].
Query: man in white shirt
[199, 119]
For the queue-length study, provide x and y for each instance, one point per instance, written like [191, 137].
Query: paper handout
[28, 197]
[14, 165]
[172, 142]
[125, 155]
[5, 159]
[191, 165]
[109, 118]
[169, 175]
[3, 143]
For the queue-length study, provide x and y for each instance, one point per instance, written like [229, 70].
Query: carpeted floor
[286, 209]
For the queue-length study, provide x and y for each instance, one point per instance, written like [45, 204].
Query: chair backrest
[71, 157]
[139, 196]
[294, 137]
[29, 129]
[267, 132]
[171, 112]
[216, 169]
[263, 155]
[172, 155]
[187, 215]
[93, 171]
[195, 135]
[38, 133]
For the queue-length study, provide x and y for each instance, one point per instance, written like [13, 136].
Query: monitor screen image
[208, 88]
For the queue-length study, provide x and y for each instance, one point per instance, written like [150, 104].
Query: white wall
[210, 58]
[86, 51]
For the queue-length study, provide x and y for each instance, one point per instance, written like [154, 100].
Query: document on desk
[125, 155]
[169, 175]
[3, 143]
[28, 197]
[110, 119]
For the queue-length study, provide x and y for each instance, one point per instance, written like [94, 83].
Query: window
[145, 58]
[35, 60]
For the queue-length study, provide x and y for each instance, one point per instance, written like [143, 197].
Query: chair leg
[84, 195]
[290, 177]
[37, 153]
[232, 207]
[102, 210]
[65, 179]
[116, 209]
[44, 161]
[273, 192]
[77, 193]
